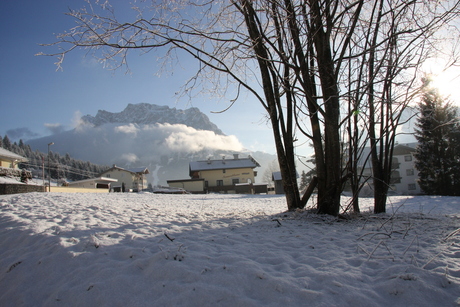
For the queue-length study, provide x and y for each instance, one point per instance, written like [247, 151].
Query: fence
[77, 190]
[16, 188]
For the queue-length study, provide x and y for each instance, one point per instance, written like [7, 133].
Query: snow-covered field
[224, 250]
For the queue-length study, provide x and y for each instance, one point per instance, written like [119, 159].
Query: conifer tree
[303, 181]
[6, 143]
[438, 152]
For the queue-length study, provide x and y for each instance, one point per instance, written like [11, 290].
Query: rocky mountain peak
[149, 114]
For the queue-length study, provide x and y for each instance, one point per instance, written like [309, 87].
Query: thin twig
[431, 260]
[169, 238]
[375, 248]
[453, 233]
[410, 245]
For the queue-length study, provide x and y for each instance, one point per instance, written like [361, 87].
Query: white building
[133, 179]
[404, 177]
[93, 183]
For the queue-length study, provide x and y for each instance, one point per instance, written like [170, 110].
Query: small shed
[93, 183]
[190, 185]
[277, 178]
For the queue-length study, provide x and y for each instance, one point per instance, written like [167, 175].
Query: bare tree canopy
[336, 72]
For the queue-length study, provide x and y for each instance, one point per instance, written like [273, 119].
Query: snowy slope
[224, 250]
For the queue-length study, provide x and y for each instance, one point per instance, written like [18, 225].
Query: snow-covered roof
[209, 164]
[277, 175]
[6, 154]
[135, 170]
[97, 180]
[400, 150]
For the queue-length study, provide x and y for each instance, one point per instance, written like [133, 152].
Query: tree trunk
[380, 195]
[282, 131]
[309, 190]
[329, 187]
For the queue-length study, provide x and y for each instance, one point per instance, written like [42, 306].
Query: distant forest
[61, 167]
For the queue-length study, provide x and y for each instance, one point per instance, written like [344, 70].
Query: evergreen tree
[61, 167]
[438, 153]
[303, 181]
[6, 143]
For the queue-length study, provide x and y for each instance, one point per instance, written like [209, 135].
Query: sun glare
[447, 81]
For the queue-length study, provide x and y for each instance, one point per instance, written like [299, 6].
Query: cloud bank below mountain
[137, 143]
[177, 138]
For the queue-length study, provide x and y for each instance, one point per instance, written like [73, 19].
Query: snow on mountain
[160, 138]
[144, 113]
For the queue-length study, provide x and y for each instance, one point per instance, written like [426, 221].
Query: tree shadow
[146, 257]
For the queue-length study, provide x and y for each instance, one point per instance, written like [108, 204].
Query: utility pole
[49, 173]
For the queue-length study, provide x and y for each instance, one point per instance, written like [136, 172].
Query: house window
[407, 158]
[410, 172]
[235, 181]
[411, 186]
[108, 175]
[223, 171]
[395, 177]
[220, 183]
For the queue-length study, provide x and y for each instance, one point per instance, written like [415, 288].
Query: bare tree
[302, 60]
[398, 40]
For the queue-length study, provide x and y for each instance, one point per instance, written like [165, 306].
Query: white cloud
[129, 158]
[187, 139]
[127, 129]
[77, 122]
[141, 144]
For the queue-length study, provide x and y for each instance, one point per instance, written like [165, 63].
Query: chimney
[223, 159]
[209, 160]
[235, 156]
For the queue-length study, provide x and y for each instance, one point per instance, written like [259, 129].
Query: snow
[125, 249]
[17, 180]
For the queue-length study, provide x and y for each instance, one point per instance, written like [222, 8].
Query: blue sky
[36, 100]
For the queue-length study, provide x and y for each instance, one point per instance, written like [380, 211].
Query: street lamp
[49, 173]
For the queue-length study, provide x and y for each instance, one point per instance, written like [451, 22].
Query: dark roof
[209, 164]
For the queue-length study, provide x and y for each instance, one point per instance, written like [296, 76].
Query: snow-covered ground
[224, 250]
